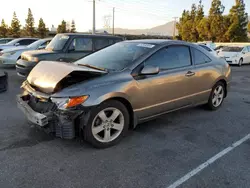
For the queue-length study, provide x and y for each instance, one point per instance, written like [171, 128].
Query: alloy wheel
[108, 125]
[218, 96]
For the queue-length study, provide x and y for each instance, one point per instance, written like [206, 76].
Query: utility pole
[93, 29]
[113, 20]
[175, 18]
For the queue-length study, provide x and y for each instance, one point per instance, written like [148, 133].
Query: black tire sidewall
[88, 135]
[210, 103]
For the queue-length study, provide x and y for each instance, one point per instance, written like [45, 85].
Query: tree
[182, 25]
[73, 27]
[248, 27]
[15, 28]
[238, 19]
[217, 28]
[62, 27]
[3, 29]
[42, 31]
[29, 26]
[204, 29]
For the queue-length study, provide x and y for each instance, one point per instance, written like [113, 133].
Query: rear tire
[107, 125]
[217, 96]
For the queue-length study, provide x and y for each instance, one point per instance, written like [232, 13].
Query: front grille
[20, 66]
[41, 106]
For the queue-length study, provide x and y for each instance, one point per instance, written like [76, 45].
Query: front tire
[240, 62]
[217, 96]
[107, 125]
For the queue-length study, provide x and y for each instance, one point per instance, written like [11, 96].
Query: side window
[199, 57]
[81, 44]
[26, 41]
[170, 58]
[101, 43]
[44, 44]
[245, 50]
[248, 48]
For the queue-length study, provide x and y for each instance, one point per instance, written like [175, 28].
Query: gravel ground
[155, 154]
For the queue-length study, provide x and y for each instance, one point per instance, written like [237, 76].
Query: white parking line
[208, 162]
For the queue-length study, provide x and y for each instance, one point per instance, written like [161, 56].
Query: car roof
[90, 35]
[159, 41]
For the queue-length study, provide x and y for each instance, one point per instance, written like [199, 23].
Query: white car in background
[235, 55]
[10, 56]
[209, 49]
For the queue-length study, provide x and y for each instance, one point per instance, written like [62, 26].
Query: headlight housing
[66, 103]
[33, 59]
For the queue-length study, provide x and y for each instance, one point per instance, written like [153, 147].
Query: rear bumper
[23, 68]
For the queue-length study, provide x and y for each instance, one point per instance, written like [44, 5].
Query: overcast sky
[129, 13]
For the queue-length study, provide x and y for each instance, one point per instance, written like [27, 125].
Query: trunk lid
[51, 76]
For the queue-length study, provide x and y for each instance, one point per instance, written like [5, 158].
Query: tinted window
[206, 48]
[199, 57]
[26, 41]
[171, 57]
[117, 56]
[81, 44]
[101, 43]
[231, 49]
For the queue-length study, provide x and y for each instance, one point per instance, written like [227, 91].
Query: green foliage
[29, 28]
[73, 27]
[3, 29]
[248, 27]
[62, 27]
[238, 20]
[42, 31]
[15, 29]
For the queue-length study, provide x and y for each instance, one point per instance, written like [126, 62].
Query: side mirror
[41, 47]
[150, 70]
[17, 44]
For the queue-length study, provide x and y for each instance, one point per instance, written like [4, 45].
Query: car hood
[51, 76]
[15, 49]
[228, 54]
[4, 46]
[39, 52]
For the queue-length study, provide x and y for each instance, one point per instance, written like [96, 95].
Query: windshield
[231, 49]
[117, 56]
[58, 42]
[13, 42]
[36, 44]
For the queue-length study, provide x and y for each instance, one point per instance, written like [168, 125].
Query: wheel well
[130, 110]
[225, 84]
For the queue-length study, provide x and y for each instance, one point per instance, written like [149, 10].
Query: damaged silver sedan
[104, 94]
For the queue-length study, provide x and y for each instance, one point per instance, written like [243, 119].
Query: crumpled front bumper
[62, 123]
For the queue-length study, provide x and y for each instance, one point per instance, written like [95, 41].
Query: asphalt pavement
[156, 154]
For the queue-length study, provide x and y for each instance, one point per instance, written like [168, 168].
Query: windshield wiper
[93, 67]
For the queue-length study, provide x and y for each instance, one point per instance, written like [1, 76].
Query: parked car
[235, 55]
[104, 94]
[10, 56]
[243, 57]
[17, 42]
[66, 48]
[5, 40]
[209, 49]
[219, 48]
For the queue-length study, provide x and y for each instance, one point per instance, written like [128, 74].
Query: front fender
[93, 101]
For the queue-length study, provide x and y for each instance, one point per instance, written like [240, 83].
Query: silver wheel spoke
[219, 90]
[217, 102]
[103, 116]
[97, 129]
[114, 115]
[107, 135]
[117, 126]
[214, 100]
[220, 96]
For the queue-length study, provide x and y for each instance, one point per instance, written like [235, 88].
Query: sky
[131, 14]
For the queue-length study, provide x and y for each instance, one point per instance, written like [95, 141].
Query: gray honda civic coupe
[103, 95]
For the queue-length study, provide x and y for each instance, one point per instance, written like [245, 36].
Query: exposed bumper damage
[43, 113]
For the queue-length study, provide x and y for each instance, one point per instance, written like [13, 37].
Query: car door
[245, 55]
[170, 89]
[78, 48]
[204, 77]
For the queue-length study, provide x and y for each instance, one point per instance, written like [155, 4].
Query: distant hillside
[162, 30]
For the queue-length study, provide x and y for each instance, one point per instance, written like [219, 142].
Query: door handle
[190, 73]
